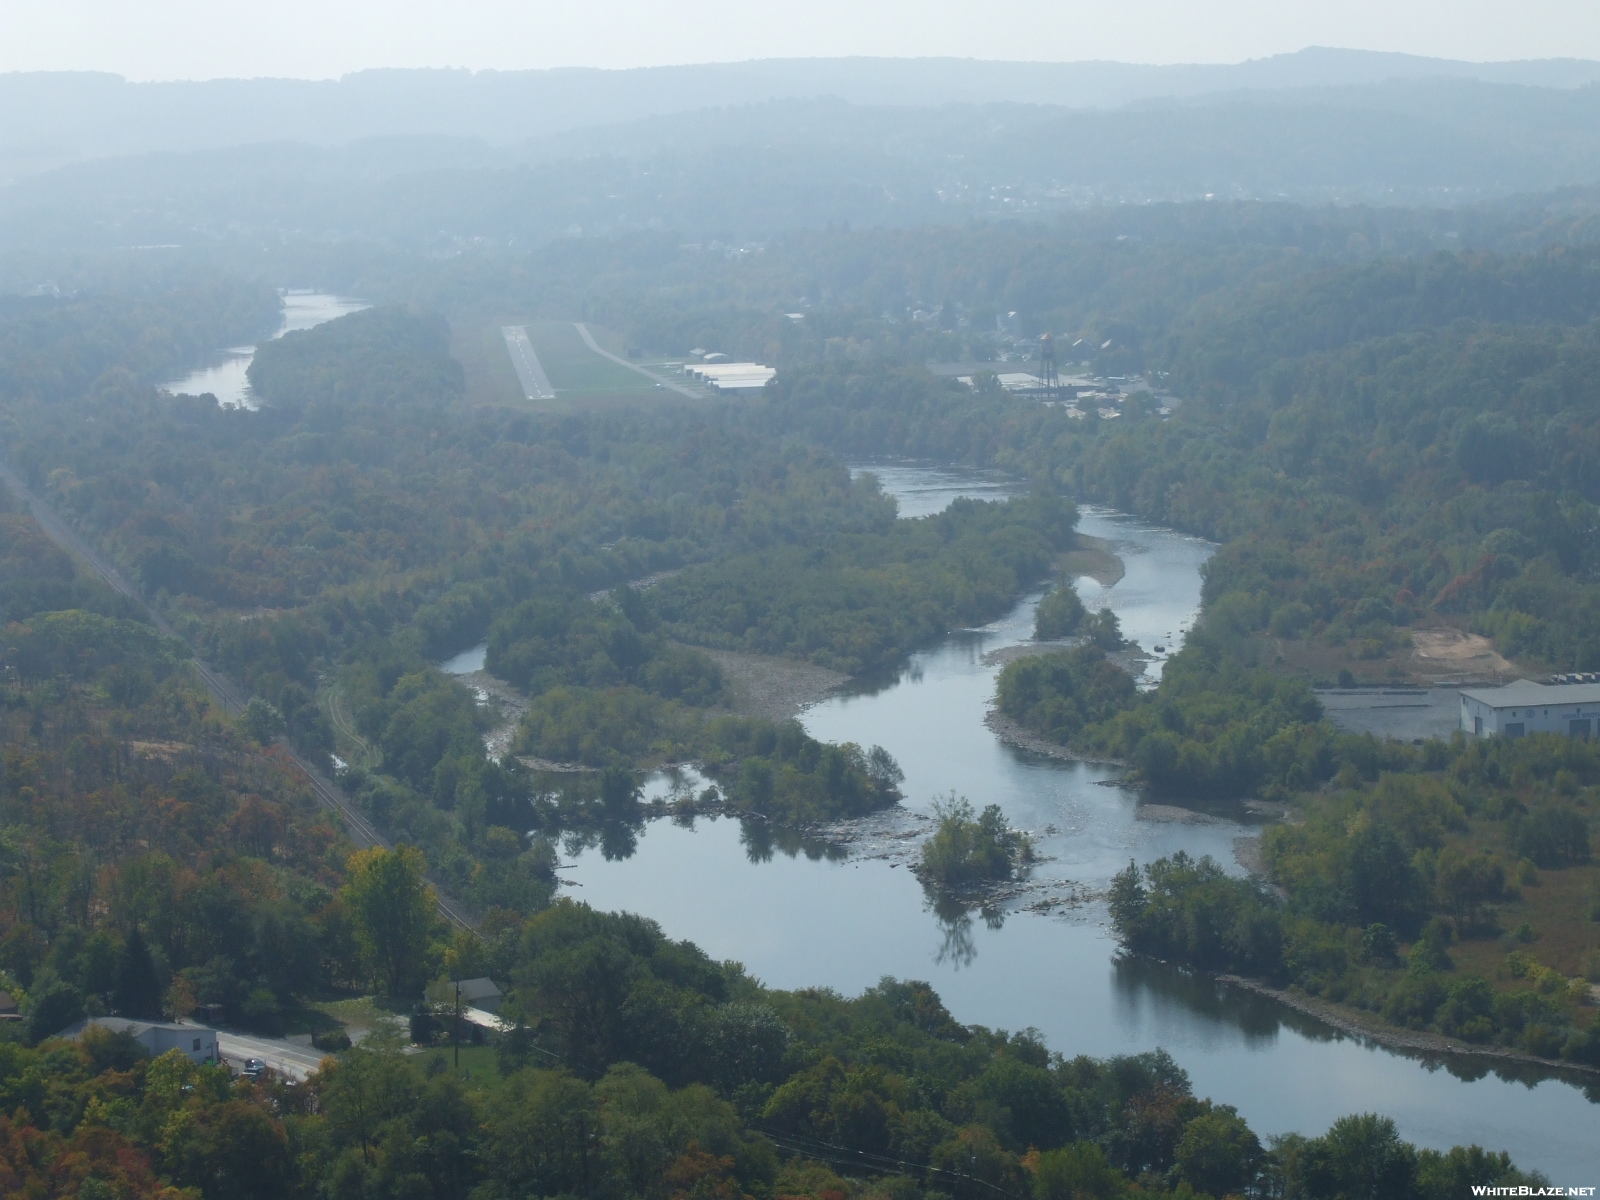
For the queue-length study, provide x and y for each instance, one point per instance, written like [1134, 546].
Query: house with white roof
[481, 993]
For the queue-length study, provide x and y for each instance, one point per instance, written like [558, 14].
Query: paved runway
[530, 372]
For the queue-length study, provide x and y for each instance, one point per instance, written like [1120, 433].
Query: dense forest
[1380, 446]
[860, 601]
[159, 858]
[1366, 479]
[1376, 484]
[55, 348]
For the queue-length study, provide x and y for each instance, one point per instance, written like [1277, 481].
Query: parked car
[253, 1068]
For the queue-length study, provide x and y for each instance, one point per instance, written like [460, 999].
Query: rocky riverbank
[1363, 1025]
[505, 704]
[1023, 738]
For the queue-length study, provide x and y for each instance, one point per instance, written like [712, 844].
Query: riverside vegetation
[376, 529]
[202, 872]
[1414, 898]
[971, 848]
[366, 521]
[1365, 475]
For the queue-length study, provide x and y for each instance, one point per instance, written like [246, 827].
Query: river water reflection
[810, 919]
[224, 376]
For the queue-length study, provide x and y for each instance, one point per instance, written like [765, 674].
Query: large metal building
[1571, 709]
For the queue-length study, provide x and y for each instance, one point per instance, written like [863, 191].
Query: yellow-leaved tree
[391, 906]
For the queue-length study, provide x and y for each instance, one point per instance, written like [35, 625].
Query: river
[844, 921]
[224, 375]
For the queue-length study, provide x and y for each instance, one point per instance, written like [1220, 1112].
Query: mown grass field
[481, 351]
[581, 378]
[574, 368]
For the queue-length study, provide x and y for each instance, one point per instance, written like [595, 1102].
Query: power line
[846, 1155]
[222, 689]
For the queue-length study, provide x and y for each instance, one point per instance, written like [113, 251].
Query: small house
[480, 993]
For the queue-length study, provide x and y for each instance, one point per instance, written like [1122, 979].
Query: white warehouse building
[198, 1043]
[1570, 709]
[730, 376]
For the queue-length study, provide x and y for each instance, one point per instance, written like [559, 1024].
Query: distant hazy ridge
[61, 116]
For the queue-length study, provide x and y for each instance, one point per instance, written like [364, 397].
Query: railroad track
[222, 689]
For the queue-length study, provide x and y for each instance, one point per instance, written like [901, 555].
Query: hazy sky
[198, 39]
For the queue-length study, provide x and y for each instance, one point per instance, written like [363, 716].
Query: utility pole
[455, 1029]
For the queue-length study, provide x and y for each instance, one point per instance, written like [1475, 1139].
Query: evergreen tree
[138, 992]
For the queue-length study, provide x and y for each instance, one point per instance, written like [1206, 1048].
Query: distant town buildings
[1080, 395]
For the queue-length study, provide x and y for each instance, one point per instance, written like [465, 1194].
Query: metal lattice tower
[1047, 365]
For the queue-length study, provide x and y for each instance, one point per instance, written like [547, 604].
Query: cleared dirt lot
[1437, 654]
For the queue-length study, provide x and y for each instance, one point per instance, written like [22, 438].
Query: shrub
[1059, 694]
[1552, 837]
[969, 848]
[1060, 614]
[1105, 630]
[336, 1040]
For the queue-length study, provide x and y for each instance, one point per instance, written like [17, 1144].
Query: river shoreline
[1015, 734]
[507, 706]
[1093, 558]
[846, 913]
[1247, 853]
[1356, 1024]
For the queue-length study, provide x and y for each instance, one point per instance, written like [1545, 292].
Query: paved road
[286, 1058]
[588, 340]
[530, 371]
[229, 697]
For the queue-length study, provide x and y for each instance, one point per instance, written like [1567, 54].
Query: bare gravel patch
[776, 689]
[1447, 654]
[1094, 558]
[1007, 654]
[505, 703]
[1247, 853]
[1173, 814]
